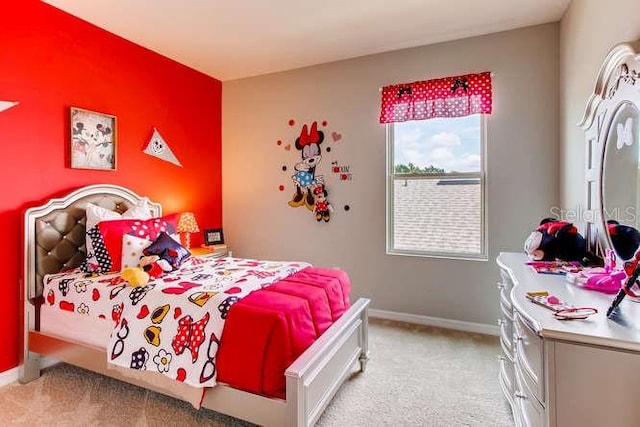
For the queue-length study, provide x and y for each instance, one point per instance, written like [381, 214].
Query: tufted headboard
[54, 233]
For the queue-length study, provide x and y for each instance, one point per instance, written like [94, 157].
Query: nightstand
[210, 252]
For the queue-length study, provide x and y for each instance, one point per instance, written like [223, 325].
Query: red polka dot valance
[447, 97]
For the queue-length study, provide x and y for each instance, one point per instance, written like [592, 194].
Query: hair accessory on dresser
[561, 310]
[574, 313]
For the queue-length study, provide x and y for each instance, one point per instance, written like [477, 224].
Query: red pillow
[113, 231]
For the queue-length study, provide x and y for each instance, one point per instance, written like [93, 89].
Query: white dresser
[566, 372]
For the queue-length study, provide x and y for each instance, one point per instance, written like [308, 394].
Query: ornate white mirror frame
[614, 107]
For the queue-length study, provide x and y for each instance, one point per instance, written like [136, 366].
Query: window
[436, 187]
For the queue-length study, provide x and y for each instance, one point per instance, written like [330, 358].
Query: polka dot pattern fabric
[456, 96]
[97, 260]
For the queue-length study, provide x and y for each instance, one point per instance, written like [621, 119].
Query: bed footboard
[315, 377]
[312, 380]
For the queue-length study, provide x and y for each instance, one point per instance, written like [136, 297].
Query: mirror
[611, 123]
[620, 181]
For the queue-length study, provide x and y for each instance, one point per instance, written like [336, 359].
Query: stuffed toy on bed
[154, 265]
[135, 276]
[555, 239]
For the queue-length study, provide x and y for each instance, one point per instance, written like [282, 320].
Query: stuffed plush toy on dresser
[555, 239]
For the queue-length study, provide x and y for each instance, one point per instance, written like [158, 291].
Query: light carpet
[417, 376]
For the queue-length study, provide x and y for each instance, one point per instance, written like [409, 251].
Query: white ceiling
[230, 39]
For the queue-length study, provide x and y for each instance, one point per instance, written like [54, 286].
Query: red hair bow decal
[190, 335]
[307, 137]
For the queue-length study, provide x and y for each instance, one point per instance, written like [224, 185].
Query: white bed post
[29, 361]
[364, 339]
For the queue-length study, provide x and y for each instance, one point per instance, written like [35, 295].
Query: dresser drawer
[528, 411]
[505, 280]
[507, 377]
[529, 357]
[505, 286]
[506, 335]
[505, 303]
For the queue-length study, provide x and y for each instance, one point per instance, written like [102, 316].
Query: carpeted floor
[417, 376]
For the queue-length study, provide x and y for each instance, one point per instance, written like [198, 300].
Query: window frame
[481, 175]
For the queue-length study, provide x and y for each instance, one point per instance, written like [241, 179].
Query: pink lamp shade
[186, 225]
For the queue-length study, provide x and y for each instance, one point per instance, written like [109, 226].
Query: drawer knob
[519, 395]
[501, 285]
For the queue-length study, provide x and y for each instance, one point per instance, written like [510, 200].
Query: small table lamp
[187, 225]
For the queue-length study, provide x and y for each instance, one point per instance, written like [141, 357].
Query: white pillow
[97, 256]
[96, 213]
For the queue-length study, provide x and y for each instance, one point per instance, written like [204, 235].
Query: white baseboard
[458, 325]
[8, 377]
[11, 376]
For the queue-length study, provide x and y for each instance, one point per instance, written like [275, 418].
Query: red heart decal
[177, 312]
[184, 287]
[182, 375]
[234, 290]
[95, 295]
[336, 136]
[51, 298]
[144, 311]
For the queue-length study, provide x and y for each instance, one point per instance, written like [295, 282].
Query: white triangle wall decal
[5, 105]
[159, 148]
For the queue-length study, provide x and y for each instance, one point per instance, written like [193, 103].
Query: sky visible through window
[452, 144]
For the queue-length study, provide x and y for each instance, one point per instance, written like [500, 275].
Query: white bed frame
[311, 381]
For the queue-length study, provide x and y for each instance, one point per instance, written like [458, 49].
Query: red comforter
[268, 329]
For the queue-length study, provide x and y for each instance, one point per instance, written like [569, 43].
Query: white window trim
[482, 175]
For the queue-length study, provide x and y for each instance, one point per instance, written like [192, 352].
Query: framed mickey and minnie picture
[213, 236]
[93, 140]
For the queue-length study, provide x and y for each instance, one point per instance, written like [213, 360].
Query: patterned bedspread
[173, 324]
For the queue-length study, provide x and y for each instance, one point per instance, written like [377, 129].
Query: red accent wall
[50, 61]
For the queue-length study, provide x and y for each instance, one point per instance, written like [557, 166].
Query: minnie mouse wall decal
[310, 185]
[305, 179]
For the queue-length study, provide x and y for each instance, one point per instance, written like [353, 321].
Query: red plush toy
[154, 266]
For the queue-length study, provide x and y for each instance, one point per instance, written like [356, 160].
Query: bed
[54, 241]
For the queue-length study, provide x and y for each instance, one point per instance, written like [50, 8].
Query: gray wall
[522, 152]
[589, 29]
